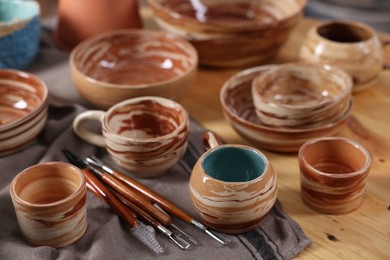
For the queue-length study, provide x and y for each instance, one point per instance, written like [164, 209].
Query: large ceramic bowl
[239, 110]
[23, 109]
[230, 33]
[119, 65]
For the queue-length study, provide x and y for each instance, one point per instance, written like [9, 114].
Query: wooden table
[363, 234]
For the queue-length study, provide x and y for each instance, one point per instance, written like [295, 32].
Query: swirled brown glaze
[299, 95]
[230, 33]
[351, 46]
[50, 203]
[237, 103]
[118, 65]
[333, 173]
[232, 207]
[146, 136]
[23, 109]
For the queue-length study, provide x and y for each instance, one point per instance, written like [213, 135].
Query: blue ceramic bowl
[19, 33]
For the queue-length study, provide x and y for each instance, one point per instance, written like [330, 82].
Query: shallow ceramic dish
[118, 65]
[23, 109]
[230, 33]
[301, 95]
[19, 33]
[237, 104]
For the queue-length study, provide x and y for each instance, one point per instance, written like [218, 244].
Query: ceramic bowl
[230, 33]
[352, 46]
[19, 33]
[237, 104]
[301, 95]
[118, 65]
[23, 109]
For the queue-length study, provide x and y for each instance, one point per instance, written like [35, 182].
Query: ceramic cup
[20, 32]
[333, 174]
[145, 135]
[232, 187]
[50, 203]
[352, 46]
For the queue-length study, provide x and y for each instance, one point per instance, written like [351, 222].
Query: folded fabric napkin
[278, 237]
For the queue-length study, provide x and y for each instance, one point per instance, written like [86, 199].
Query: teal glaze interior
[17, 10]
[234, 164]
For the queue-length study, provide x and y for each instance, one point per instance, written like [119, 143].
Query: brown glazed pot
[232, 187]
[79, 20]
[50, 203]
[333, 173]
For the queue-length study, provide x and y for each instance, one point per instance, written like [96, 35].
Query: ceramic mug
[232, 187]
[145, 135]
[333, 173]
[50, 203]
[349, 45]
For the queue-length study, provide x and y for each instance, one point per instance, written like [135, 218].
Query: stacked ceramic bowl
[230, 33]
[23, 109]
[301, 95]
[295, 112]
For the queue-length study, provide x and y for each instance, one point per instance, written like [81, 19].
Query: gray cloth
[278, 237]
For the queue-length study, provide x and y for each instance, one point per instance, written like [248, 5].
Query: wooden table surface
[363, 234]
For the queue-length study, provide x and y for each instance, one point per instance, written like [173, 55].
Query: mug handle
[385, 43]
[211, 140]
[83, 133]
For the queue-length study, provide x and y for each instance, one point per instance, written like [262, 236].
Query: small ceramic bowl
[23, 109]
[118, 65]
[230, 33]
[19, 33]
[301, 95]
[232, 187]
[237, 104]
[333, 174]
[352, 46]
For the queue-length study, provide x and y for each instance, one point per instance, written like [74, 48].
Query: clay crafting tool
[142, 232]
[158, 199]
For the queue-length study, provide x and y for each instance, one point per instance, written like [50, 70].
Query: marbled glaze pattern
[23, 109]
[333, 174]
[230, 33]
[123, 64]
[301, 95]
[237, 103]
[50, 203]
[145, 135]
[352, 46]
[232, 207]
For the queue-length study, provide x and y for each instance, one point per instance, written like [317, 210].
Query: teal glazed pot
[19, 33]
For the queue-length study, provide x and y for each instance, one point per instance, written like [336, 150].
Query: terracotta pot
[79, 20]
